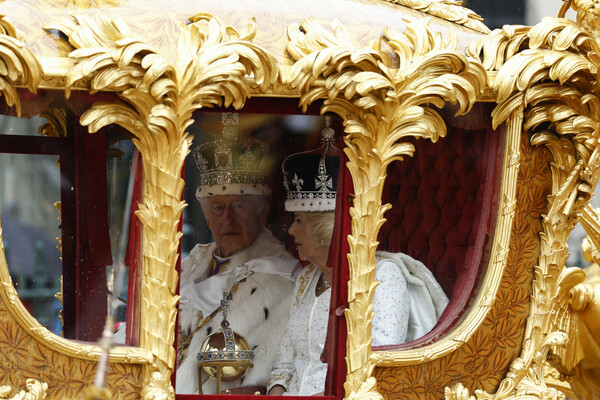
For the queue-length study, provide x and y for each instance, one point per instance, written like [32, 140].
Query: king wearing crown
[245, 260]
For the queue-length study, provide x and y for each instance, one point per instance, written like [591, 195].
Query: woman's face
[309, 248]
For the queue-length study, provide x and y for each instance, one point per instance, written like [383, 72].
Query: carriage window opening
[42, 188]
[29, 188]
[16, 126]
[439, 229]
[240, 238]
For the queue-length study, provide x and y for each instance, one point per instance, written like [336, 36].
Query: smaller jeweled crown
[310, 177]
[231, 165]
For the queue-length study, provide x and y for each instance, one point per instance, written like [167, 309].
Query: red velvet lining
[335, 346]
[444, 213]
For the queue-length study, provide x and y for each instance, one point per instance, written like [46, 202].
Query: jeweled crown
[231, 165]
[310, 177]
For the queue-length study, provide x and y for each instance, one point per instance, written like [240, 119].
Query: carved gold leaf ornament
[448, 10]
[380, 107]
[35, 391]
[8, 29]
[588, 14]
[56, 123]
[577, 362]
[216, 65]
[18, 66]
[549, 72]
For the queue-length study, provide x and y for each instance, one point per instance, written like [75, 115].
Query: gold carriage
[474, 151]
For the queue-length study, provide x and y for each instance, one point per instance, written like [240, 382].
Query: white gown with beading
[298, 365]
[407, 304]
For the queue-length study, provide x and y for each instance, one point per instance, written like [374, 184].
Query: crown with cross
[310, 177]
[230, 164]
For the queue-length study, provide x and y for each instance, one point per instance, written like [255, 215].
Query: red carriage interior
[444, 212]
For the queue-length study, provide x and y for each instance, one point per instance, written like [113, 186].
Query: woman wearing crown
[407, 302]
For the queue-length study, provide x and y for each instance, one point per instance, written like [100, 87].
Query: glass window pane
[20, 126]
[29, 187]
[119, 178]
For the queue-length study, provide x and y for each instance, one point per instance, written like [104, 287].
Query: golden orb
[233, 357]
[224, 355]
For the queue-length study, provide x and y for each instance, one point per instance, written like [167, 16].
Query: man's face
[235, 222]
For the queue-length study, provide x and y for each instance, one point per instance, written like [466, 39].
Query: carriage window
[60, 219]
[29, 188]
[123, 172]
[30, 232]
[251, 247]
[438, 231]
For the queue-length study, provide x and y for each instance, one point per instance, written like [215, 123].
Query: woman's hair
[321, 224]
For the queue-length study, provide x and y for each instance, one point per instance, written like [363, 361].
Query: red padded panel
[443, 211]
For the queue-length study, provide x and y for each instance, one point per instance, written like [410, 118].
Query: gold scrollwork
[56, 123]
[158, 97]
[380, 107]
[576, 364]
[548, 71]
[35, 391]
[19, 65]
[448, 10]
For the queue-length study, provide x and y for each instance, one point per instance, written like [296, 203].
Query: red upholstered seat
[443, 212]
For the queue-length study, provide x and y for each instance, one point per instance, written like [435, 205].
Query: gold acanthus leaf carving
[549, 73]
[18, 65]
[449, 10]
[380, 106]
[215, 65]
[577, 362]
[56, 123]
[8, 29]
[35, 391]
[588, 14]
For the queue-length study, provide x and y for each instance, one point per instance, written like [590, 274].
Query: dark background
[496, 13]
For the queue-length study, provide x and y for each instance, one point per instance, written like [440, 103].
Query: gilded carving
[448, 10]
[216, 65]
[548, 71]
[25, 356]
[56, 123]
[588, 14]
[19, 65]
[578, 362]
[35, 391]
[380, 109]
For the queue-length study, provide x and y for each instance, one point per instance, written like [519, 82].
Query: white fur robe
[262, 280]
